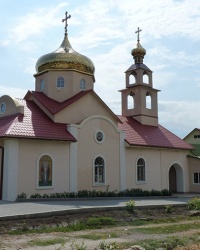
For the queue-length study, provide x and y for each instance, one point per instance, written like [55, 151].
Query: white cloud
[163, 18]
[179, 116]
[11, 91]
[33, 23]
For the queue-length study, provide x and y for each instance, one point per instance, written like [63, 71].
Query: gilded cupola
[139, 52]
[65, 58]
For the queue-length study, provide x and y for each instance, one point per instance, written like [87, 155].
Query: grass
[91, 223]
[100, 222]
[47, 242]
[167, 244]
[108, 222]
[169, 228]
[99, 236]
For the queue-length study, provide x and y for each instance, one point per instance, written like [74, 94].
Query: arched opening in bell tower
[145, 78]
[132, 78]
[130, 100]
[148, 100]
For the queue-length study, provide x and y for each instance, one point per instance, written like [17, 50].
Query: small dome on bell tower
[139, 52]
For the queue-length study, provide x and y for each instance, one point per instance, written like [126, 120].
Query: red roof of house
[143, 135]
[54, 106]
[33, 124]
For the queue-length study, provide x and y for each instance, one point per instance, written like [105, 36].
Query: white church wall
[29, 153]
[84, 107]
[62, 93]
[152, 168]
[157, 165]
[89, 149]
[176, 158]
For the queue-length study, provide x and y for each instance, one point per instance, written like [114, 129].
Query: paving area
[31, 209]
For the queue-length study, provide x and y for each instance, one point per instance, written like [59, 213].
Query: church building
[62, 137]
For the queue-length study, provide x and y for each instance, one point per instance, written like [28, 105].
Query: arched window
[99, 171]
[45, 169]
[145, 78]
[141, 170]
[130, 100]
[82, 84]
[148, 100]
[42, 85]
[60, 82]
[132, 78]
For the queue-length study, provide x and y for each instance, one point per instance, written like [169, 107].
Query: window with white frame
[196, 178]
[42, 85]
[99, 171]
[60, 82]
[141, 170]
[82, 84]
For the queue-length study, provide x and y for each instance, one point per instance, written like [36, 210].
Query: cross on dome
[139, 52]
[138, 34]
[65, 20]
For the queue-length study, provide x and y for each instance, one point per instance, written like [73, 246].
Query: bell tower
[139, 98]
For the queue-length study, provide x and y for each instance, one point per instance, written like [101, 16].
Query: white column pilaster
[10, 172]
[73, 185]
[122, 162]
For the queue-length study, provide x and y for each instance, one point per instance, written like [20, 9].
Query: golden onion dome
[138, 51]
[65, 57]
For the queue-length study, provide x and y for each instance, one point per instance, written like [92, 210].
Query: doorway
[176, 178]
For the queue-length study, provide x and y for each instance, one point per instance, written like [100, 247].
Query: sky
[104, 31]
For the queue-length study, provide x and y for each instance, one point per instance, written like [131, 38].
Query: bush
[36, 195]
[22, 195]
[134, 192]
[168, 209]
[130, 206]
[76, 246]
[105, 246]
[194, 204]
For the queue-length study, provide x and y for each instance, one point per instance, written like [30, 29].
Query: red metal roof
[33, 124]
[152, 136]
[54, 106]
[36, 124]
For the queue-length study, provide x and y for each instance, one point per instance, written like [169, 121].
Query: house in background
[194, 159]
[63, 137]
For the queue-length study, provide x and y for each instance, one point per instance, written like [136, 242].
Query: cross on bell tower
[65, 20]
[138, 34]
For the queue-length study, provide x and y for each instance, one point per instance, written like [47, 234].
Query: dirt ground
[11, 242]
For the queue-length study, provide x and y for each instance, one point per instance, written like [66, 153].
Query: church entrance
[1, 171]
[176, 178]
